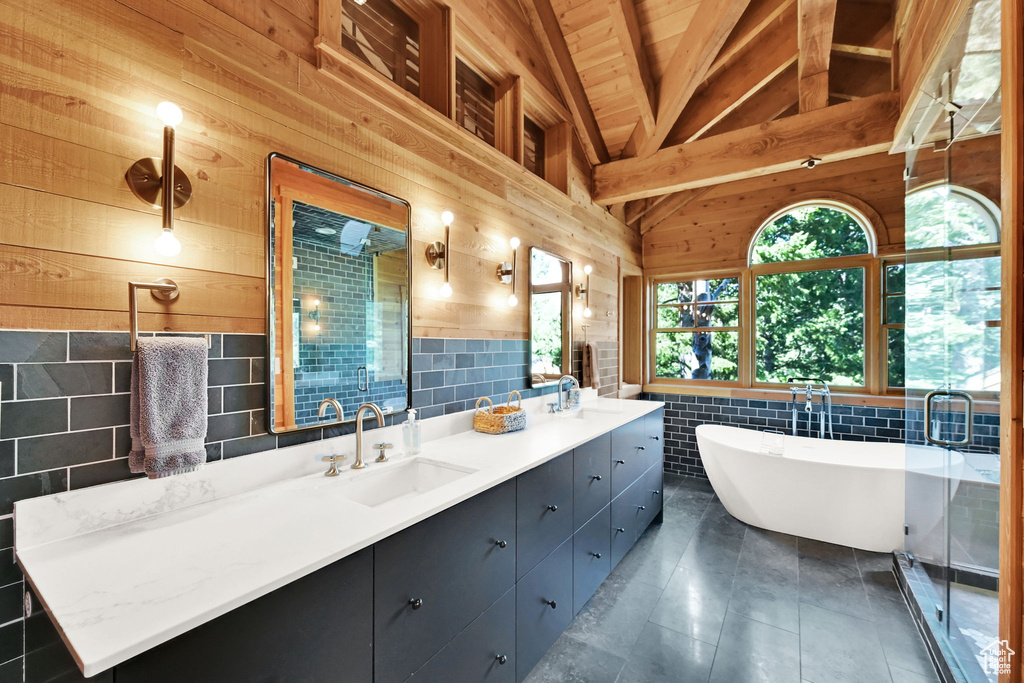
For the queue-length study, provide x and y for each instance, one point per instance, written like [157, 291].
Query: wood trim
[633, 332]
[549, 34]
[816, 23]
[437, 60]
[329, 21]
[284, 294]
[558, 155]
[844, 131]
[1011, 494]
[508, 118]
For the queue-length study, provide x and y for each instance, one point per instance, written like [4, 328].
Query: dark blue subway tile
[30, 418]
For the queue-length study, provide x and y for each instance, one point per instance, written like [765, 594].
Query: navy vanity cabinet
[654, 428]
[592, 481]
[434, 579]
[543, 607]
[544, 511]
[305, 630]
[649, 496]
[591, 557]
[485, 651]
[629, 454]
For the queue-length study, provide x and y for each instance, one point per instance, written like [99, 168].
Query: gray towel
[590, 369]
[168, 406]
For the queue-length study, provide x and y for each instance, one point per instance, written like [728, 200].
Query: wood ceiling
[643, 75]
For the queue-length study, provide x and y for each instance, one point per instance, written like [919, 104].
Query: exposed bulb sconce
[314, 315]
[507, 271]
[583, 291]
[437, 253]
[153, 180]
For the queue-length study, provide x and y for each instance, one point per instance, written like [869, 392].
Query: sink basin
[586, 413]
[382, 485]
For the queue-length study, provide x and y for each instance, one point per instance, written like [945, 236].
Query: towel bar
[163, 289]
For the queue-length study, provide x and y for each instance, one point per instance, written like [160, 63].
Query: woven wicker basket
[500, 420]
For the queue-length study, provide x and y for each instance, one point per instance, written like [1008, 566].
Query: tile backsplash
[64, 425]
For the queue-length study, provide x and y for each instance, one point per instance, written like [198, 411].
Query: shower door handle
[968, 416]
[363, 378]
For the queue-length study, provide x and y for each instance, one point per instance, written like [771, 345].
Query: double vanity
[462, 563]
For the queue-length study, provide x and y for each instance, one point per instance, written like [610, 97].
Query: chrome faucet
[332, 403]
[564, 405]
[809, 393]
[359, 464]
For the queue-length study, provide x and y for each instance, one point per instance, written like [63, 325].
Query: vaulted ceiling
[643, 75]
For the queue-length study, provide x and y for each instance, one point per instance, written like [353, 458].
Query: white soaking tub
[851, 493]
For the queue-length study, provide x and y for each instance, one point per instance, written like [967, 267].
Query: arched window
[810, 264]
[950, 216]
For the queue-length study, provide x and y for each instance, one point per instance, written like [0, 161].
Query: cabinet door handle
[416, 603]
[501, 544]
[620, 462]
[641, 507]
[501, 659]
[553, 508]
[596, 477]
[597, 555]
[552, 603]
[620, 530]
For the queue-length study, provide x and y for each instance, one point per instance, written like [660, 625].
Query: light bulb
[512, 300]
[316, 327]
[587, 312]
[446, 290]
[447, 217]
[514, 242]
[316, 302]
[167, 244]
[588, 269]
[169, 113]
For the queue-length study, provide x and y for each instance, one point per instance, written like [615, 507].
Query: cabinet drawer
[628, 460]
[543, 511]
[649, 495]
[591, 557]
[592, 482]
[626, 521]
[452, 563]
[543, 608]
[485, 651]
[654, 431]
[300, 631]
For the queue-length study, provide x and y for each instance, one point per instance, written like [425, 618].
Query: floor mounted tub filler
[844, 492]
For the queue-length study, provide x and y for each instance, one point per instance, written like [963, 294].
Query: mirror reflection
[550, 317]
[338, 320]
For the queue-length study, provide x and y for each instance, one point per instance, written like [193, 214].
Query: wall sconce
[583, 292]
[437, 253]
[314, 315]
[153, 180]
[507, 271]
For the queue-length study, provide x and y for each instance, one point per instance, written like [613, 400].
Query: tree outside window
[697, 329]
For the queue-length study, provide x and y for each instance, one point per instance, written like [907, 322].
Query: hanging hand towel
[590, 378]
[168, 406]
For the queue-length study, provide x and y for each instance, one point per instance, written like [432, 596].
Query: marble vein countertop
[123, 567]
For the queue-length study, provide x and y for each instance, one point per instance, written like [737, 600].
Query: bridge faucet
[359, 464]
[564, 405]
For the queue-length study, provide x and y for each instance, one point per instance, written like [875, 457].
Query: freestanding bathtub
[845, 492]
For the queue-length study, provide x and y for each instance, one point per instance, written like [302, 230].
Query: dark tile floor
[704, 597]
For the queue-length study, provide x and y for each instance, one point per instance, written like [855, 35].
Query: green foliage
[546, 333]
[810, 232]
[690, 352]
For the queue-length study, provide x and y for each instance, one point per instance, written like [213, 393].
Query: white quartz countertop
[124, 567]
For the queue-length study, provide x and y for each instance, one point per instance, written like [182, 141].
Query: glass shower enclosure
[947, 292]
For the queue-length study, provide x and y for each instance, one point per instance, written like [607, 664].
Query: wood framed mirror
[550, 317]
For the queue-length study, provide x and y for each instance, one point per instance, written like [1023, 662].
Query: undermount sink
[586, 413]
[399, 481]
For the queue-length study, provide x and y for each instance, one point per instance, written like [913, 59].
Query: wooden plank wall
[79, 82]
[714, 231]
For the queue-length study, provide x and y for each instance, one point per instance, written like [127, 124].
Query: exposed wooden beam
[635, 210]
[769, 104]
[689, 64]
[549, 33]
[626, 26]
[775, 50]
[817, 20]
[674, 203]
[845, 131]
[759, 16]
[866, 53]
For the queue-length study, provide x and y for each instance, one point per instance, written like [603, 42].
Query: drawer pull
[641, 448]
[620, 530]
[620, 462]
[552, 603]
[641, 507]
[416, 603]
[656, 492]
[501, 659]
[553, 508]
[656, 438]
[501, 544]
[596, 477]
[597, 555]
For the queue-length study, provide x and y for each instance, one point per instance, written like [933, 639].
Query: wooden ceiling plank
[626, 25]
[843, 131]
[816, 23]
[688, 67]
[666, 209]
[549, 33]
[776, 51]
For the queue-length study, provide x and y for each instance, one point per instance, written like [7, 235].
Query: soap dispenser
[411, 433]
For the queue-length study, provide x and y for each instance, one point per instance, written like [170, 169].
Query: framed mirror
[338, 321]
[550, 317]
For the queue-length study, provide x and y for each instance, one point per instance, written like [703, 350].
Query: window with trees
[385, 38]
[696, 333]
